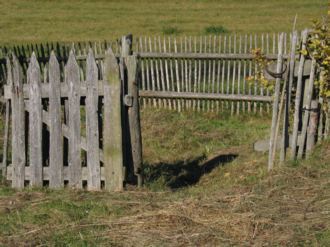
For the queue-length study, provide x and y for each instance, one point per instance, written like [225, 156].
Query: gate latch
[128, 100]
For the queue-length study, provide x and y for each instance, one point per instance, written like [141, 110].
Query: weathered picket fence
[302, 112]
[205, 73]
[72, 128]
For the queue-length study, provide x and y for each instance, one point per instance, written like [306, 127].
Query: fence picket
[15, 78]
[92, 132]
[112, 135]
[35, 120]
[55, 125]
[72, 77]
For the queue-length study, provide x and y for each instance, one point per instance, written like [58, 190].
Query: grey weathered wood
[72, 78]
[15, 78]
[134, 117]
[55, 125]
[245, 71]
[178, 88]
[152, 74]
[291, 61]
[35, 121]
[239, 75]
[162, 75]
[205, 96]
[312, 127]
[167, 75]
[275, 105]
[250, 72]
[298, 99]
[307, 107]
[112, 126]
[157, 73]
[234, 77]
[5, 141]
[223, 71]
[92, 125]
[46, 173]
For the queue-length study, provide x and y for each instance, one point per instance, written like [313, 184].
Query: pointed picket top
[53, 59]
[9, 71]
[91, 70]
[110, 65]
[72, 59]
[17, 72]
[33, 72]
[72, 69]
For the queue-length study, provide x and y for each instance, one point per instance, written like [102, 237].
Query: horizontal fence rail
[215, 65]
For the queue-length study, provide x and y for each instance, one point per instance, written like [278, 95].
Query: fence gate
[69, 123]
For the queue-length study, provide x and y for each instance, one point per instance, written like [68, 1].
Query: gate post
[133, 139]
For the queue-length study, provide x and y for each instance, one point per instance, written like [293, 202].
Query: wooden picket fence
[69, 126]
[206, 73]
[299, 120]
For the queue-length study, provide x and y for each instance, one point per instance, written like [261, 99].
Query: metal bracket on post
[128, 100]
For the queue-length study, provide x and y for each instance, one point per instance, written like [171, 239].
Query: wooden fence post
[307, 106]
[132, 101]
[72, 77]
[291, 62]
[15, 78]
[55, 125]
[35, 121]
[298, 98]
[312, 126]
[113, 141]
[92, 130]
[275, 104]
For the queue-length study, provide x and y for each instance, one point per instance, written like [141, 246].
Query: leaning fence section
[65, 130]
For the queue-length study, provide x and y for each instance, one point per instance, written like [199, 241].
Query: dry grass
[235, 203]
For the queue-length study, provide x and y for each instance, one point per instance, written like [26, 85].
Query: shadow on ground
[184, 173]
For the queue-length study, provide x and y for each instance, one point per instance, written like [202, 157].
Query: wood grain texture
[92, 129]
[72, 77]
[55, 125]
[113, 140]
[15, 78]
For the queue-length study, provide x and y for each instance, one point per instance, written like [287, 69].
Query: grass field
[77, 20]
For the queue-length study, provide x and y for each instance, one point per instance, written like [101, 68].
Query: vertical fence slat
[275, 105]
[35, 121]
[15, 78]
[113, 137]
[134, 117]
[307, 106]
[92, 132]
[72, 77]
[239, 75]
[223, 71]
[55, 125]
[291, 62]
[178, 88]
[234, 77]
[298, 98]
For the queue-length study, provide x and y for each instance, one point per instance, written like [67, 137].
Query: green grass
[39, 21]
[193, 195]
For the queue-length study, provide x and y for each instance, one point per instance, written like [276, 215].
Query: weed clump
[216, 29]
[171, 30]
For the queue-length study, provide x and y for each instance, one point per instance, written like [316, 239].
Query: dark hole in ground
[184, 173]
